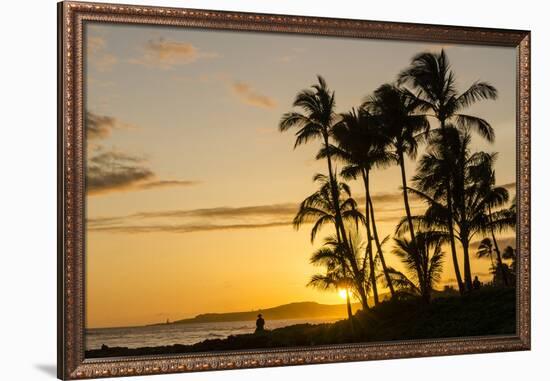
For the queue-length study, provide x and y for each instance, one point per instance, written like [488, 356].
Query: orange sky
[191, 187]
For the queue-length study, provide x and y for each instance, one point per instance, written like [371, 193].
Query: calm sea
[167, 334]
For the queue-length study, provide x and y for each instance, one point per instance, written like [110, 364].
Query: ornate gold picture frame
[76, 360]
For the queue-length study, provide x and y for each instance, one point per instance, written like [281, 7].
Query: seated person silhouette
[260, 322]
[476, 283]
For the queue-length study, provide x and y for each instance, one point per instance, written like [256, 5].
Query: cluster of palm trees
[457, 185]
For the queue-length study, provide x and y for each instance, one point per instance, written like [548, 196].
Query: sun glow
[342, 293]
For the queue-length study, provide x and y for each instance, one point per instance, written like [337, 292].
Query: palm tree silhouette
[494, 197]
[485, 250]
[467, 174]
[427, 250]
[337, 276]
[319, 208]
[361, 147]
[394, 112]
[510, 253]
[431, 77]
[505, 219]
[432, 182]
[316, 122]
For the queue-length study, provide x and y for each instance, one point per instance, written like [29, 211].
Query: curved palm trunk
[358, 280]
[358, 285]
[409, 216]
[426, 287]
[452, 238]
[497, 250]
[450, 224]
[334, 190]
[363, 297]
[427, 294]
[356, 272]
[464, 230]
[335, 196]
[348, 303]
[379, 247]
[340, 227]
[340, 224]
[350, 314]
[369, 240]
[344, 269]
[467, 271]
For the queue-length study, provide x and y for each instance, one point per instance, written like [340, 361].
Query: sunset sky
[192, 188]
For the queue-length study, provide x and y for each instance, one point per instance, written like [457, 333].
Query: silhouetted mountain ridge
[298, 310]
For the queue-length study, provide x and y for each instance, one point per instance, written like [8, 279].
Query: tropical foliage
[422, 114]
[423, 260]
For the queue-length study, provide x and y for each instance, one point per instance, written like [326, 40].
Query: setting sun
[342, 293]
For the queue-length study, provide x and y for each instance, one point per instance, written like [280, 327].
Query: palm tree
[431, 76]
[316, 121]
[333, 256]
[432, 180]
[485, 250]
[494, 197]
[336, 275]
[394, 112]
[361, 146]
[319, 208]
[468, 175]
[505, 219]
[510, 253]
[433, 80]
[427, 250]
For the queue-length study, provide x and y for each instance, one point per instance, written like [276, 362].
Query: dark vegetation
[422, 109]
[489, 311]
[421, 114]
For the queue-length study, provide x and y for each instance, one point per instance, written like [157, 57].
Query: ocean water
[167, 334]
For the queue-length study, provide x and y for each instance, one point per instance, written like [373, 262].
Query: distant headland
[299, 310]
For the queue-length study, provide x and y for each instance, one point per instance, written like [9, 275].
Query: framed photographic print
[245, 190]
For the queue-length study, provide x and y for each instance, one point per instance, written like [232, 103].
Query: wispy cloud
[100, 59]
[101, 126]
[168, 184]
[285, 59]
[242, 91]
[168, 53]
[244, 217]
[194, 220]
[290, 56]
[248, 95]
[388, 207]
[159, 228]
[278, 211]
[113, 171]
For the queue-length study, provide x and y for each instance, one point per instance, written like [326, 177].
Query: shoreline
[289, 311]
[485, 312]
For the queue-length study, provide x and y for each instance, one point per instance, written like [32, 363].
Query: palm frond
[479, 124]
[476, 92]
